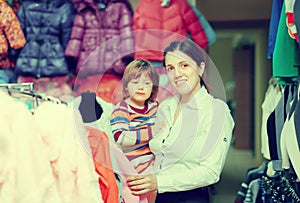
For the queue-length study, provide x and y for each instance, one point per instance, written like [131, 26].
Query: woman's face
[183, 72]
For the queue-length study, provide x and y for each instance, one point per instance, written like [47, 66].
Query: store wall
[216, 10]
[221, 53]
[247, 22]
[135, 2]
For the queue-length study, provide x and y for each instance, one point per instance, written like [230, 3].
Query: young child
[132, 120]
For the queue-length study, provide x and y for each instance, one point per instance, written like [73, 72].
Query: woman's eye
[185, 65]
[170, 68]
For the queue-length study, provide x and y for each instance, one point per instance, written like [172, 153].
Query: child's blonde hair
[134, 70]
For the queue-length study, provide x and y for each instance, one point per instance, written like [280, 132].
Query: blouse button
[225, 139]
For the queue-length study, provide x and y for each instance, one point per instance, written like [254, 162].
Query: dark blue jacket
[47, 26]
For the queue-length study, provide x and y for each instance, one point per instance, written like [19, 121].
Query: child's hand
[158, 127]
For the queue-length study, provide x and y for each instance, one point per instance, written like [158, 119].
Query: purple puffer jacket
[101, 37]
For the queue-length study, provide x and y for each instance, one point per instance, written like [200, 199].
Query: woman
[191, 151]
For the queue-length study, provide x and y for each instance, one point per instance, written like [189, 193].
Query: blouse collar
[198, 101]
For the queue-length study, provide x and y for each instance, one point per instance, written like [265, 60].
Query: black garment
[89, 108]
[272, 136]
[200, 195]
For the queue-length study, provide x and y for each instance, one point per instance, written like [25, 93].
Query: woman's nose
[177, 72]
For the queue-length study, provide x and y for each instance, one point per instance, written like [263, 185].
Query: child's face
[140, 89]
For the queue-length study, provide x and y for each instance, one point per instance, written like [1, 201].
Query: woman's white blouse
[191, 152]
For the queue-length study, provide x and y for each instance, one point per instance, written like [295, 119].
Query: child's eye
[134, 81]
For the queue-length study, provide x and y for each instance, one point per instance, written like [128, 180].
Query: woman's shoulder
[221, 109]
[218, 103]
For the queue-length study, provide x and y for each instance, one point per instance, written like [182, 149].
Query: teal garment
[209, 31]
[286, 56]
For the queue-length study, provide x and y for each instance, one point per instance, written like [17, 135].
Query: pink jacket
[65, 142]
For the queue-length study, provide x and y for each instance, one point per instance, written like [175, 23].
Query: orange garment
[99, 144]
[11, 33]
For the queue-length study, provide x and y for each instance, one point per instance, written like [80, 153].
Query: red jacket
[156, 26]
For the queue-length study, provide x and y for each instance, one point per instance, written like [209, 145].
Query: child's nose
[141, 87]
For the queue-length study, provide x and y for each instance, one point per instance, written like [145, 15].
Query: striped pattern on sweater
[132, 131]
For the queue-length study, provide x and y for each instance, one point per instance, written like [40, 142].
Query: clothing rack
[19, 86]
[25, 92]
[265, 184]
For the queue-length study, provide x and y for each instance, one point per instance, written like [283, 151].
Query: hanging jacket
[155, 26]
[273, 26]
[11, 34]
[101, 37]
[100, 147]
[286, 55]
[47, 26]
[209, 31]
[290, 15]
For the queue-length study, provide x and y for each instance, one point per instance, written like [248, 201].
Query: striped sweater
[132, 130]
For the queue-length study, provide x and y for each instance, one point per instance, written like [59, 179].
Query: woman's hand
[142, 184]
